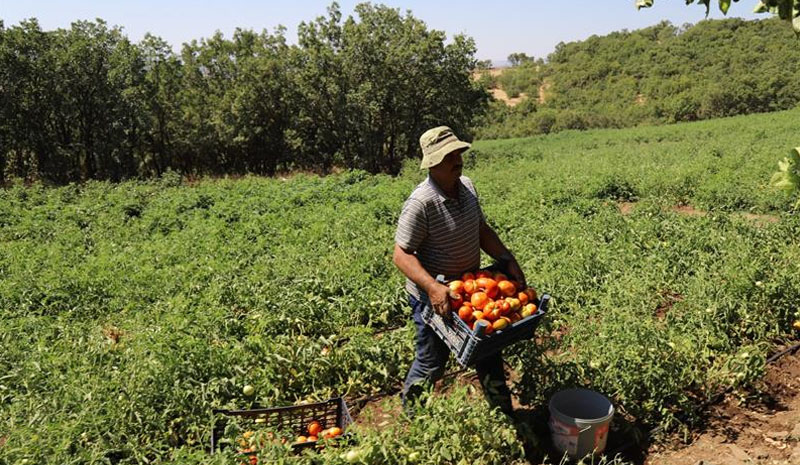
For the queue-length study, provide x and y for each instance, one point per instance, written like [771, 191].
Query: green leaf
[761, 8]
[794, 154]
[643, 4]
[724, 5]
[781, 180]
[788, 176]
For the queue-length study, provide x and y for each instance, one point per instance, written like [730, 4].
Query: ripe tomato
[501, 323]
[465, 313]
[314, 428]
[528, 310]
[455, 300]
[485, 283]
[457, 286]
[479, 300]
[504, 306]
[470, 287]
[493, 292]
[507, 288]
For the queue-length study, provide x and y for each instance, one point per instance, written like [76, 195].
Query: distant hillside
[661, 74]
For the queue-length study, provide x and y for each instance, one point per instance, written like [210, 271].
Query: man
[442, 230]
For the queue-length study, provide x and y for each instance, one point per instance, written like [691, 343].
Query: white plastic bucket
[579, 421]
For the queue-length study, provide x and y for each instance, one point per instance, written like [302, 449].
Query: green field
[130, 310]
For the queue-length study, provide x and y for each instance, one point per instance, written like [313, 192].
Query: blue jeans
[431, 358]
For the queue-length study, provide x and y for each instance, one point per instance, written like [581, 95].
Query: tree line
[87, 103]
[656, 75]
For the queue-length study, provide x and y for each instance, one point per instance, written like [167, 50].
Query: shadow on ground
[626, 441]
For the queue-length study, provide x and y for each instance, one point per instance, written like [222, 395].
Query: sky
[499, 27]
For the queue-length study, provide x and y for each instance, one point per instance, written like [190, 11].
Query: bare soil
[500, 94]
[497, 92]
[762, 432]
[688, 210]
[494, 72]
[626, 208]
[669, 299]
[542, 97]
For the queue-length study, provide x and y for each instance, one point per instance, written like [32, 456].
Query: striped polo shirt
[443, 232]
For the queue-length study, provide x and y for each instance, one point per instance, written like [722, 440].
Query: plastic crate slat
[294, 418]
[469, 348]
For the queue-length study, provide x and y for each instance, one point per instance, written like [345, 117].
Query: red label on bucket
[600, 436]
[565, 437]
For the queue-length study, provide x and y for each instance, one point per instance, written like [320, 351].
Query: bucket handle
[567, 434]
[584, 438]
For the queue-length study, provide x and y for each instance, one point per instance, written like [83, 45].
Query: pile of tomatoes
[249, 441]
[492, 298]
[315, 433]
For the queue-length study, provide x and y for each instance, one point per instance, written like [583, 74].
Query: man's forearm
[492, 245]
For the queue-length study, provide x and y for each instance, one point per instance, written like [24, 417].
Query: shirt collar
[442, 196]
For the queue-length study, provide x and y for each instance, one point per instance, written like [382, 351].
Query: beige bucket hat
[437, 143]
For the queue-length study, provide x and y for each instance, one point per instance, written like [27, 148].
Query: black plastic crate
[292, 419]
[470, 345]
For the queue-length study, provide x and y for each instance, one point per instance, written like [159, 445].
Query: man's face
[451, 165]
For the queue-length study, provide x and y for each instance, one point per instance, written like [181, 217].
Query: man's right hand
[438, 295]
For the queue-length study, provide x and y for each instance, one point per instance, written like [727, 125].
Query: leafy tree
[86, 103]
[483, 64]
[160, 89]
[368, 87]
[518, 58]
[788, 10]
[66, 107]
[24, 70]
[656, 75]
[95, 65]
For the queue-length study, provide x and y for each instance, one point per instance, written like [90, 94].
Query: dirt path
[626, 208]
[497, 92]
[500, 94]
[763, 433]
[542, 98]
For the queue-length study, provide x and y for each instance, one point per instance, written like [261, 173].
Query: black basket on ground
[470, 345]
[292, 419]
